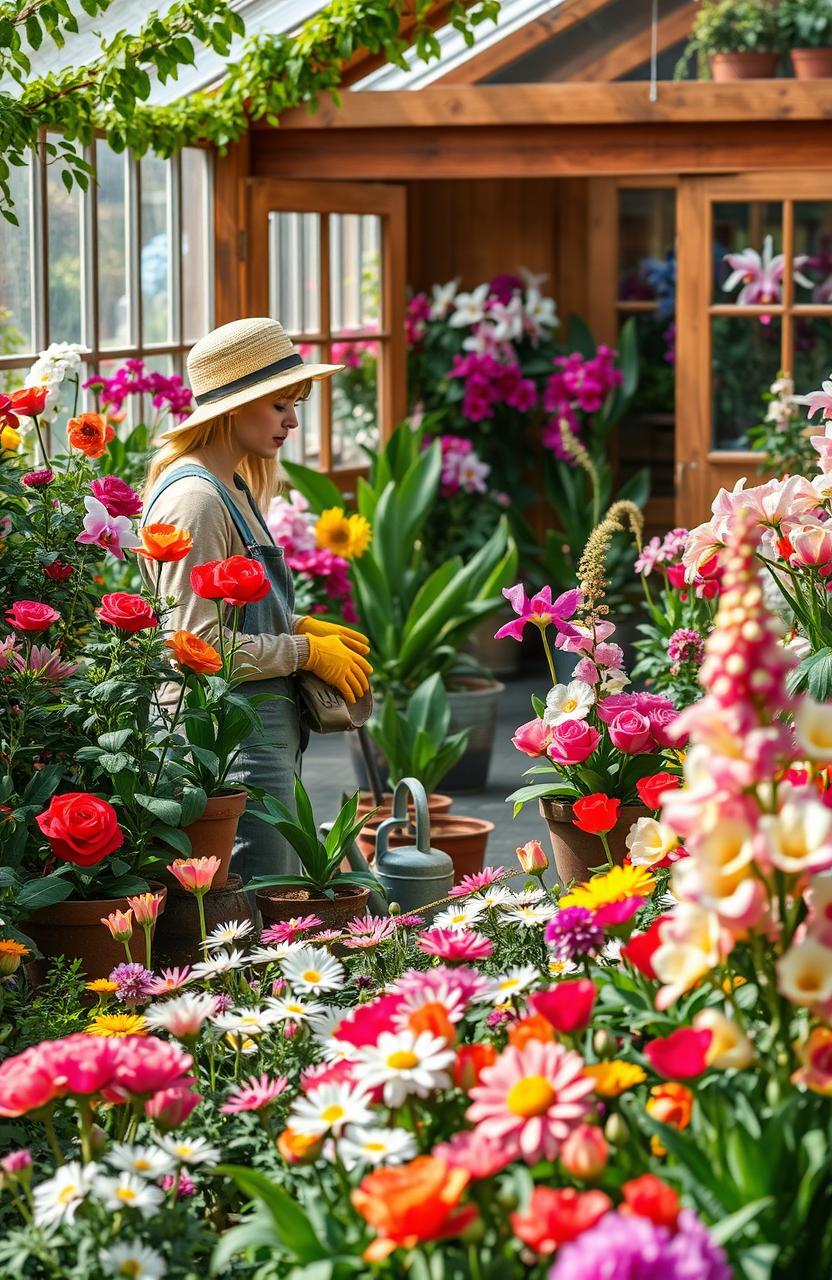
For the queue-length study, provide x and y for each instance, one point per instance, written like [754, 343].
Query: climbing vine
[270, 74]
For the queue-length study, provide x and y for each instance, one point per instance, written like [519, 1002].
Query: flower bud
[585, 1152]
[604, 1043]
[616, 1130]
[168, 1108]
[532, 857]
[120, 924]
[299, 1148]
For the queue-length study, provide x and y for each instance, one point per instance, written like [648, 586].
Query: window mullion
[787, 330]
[90, 318]
[40, 240]
[174, 234]
[326, 328]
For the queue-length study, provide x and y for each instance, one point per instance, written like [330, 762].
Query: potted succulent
[335, 896]
[734, 40]
[806, 26]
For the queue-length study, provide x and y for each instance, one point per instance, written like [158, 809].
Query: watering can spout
[414, 875]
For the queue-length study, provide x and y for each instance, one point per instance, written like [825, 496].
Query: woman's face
[261, 426]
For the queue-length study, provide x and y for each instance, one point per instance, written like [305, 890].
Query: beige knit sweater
[194, 504]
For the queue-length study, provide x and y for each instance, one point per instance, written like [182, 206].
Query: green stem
[203, 932]
[547, 650]
[52, 1137]
[21, 1206]
[43, 453]
[474, 1262]
[126, 945]
[85, 1117]
[148, 945]
[602, 835]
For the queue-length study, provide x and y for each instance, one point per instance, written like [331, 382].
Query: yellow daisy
[102, 986]
[117, 1024]
[611, 886]
[10, 439]
[346, 536]
[615, 1077]
[11, 955]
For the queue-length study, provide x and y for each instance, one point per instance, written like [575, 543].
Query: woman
[214, 476]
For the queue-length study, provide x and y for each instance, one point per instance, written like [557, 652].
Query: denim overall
[268, 759]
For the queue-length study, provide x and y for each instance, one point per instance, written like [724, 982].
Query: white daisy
[460, 915]
[268, 955]
[225, 934]
[516, 980]
[57, 1199]
[495, 895]
[189, 1150]
[328, 1109]
[406, 1063]
[313, 969]
[572, 701]
[293, 1009]
[562, 968]
[527, 897]
[134, 1260]
[147, 1162]
[129, 1192]
[376, 1146]
[222, 962]
[612, 951]
[183, 1016]
[531, 916]
[246, 1022]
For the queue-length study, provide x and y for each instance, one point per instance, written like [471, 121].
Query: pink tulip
[567, 1006]
[169, 1108]
[532, 857]
[630, 732]
[196, 875]
[532, 738]
[811, 545]
[542, 611]
[584, 1154]
[145, 907]
[120, 924]
[573, 741]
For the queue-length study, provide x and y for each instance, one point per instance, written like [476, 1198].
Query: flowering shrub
[322, 583]
[783, 436]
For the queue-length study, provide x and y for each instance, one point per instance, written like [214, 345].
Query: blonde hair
[262, 475]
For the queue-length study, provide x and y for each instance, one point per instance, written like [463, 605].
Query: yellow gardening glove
[317, 627]
[330, 659]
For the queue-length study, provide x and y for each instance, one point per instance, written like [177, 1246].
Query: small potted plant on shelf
[734, 40]
[806, 26]
[335, 896]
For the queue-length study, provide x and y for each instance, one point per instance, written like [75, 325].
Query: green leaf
[728, 1229]
[292, 1226]
[167, 811]
[44, 891]
[114, 761]
[115, 740]
[321, 492]
[194, 801]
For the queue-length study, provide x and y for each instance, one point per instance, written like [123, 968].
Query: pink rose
[117, 496]
[661, 720]
[532, 738]
[587, 671]
[572, 741]
[630, 732]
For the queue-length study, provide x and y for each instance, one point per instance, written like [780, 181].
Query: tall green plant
[416, 742]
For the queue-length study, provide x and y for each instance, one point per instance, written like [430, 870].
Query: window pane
[646, 434]
[746, 358]
[355, 272]
[748, 246]
[156, 254]
[813, 244]
[295, 271]
[113, 302]
[64, 221]
[646, 236]
[812, 348]
[354, 402]
[16, 270]
[304, 444]
[196, 257]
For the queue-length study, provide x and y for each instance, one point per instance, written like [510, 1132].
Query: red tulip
[596, 814]
[567, 1006]
[680, 1055]
[639, 950]
[649, 1197]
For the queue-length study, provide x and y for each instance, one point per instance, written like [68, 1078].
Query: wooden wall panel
[230, 264]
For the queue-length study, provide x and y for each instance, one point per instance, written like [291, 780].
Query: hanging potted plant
[321, 888]
[734, 40]
[806, 27]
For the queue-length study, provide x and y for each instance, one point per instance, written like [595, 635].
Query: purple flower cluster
[573, 932]
[132, 379]
[579, 386]
[462, 467]
[489, 382]
[684, 646]
[628, 1247]
[134, 983]
[659, 551]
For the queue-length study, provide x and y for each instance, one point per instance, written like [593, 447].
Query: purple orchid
[541, 611]
[113, 533]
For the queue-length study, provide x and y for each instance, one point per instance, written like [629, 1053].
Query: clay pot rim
[92, 905]
[477, 686]
[344, 891]
[476, 826]
[561, 810]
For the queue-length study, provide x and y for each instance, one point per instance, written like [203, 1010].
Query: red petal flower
[680, 1055]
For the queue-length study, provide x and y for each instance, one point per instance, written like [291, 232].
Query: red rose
[596, 814]
[31, 615]
[203, 581]
[680, 1055]
[29, 401]
[567, 1006]
[127, 612]
[243, 581]
[649, 1197]
[651, 789]
[81, 828]
[58, 571]
[639, 950]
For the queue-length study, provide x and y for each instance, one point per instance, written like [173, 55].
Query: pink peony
[146, 1065]
[573, 741]
[470, 1150]
[533, 737]
[630, 732]
[169, 1108]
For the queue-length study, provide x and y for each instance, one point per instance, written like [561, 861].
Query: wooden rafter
[363, 62]
[620, 58]
[522, 41]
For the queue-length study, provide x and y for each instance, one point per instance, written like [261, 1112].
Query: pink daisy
[480, 880]
[254, 1094]
[171, 980]
[467, 982]
[455, 945]
[378, 927]
[531, 1099]
[471, 1150]
[328, 935]
[288, 930]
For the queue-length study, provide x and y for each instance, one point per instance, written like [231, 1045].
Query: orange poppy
[195, 654]
[164, 543]
[299, 1148]
[412, 1203]
[89, 434]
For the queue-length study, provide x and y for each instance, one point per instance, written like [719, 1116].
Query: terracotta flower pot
[577, 852]
[213, 835]
[811, 64]
[349, 903]
[178, 939]
[473, 702]
[73, 929]
[743, 66]
[463, 839]
[437, 803]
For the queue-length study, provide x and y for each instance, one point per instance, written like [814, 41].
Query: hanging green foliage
[270, 75]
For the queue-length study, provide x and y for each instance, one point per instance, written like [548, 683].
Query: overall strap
[258, 514]
[191, 470]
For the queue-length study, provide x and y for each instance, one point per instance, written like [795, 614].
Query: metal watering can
[415, 874]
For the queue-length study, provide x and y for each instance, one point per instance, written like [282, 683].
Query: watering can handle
[399, 817]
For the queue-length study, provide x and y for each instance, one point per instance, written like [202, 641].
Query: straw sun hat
[240, 362]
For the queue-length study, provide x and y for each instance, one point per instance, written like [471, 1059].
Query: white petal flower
[361, 1146]
[469, 308]
[572, 701]
[650, 842]
[313, 969]
[293, 1009]
[222, 962]
[57, 1199]
[145, 1162]
[183, 1016]
[530, 917]
[804, 973]
[225, 934]
[268, 955]
[328, 1109]
[129, 1192]
[246, 1022]
[134, 1260]
[460, 915]
[189, 1151]
[518, 979]
[405, 1063]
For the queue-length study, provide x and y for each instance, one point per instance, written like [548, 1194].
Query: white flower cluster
[60, 360]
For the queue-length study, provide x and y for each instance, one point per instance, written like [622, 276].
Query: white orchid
[442, 299]
[469, 308]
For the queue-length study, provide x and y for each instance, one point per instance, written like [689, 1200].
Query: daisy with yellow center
[102, 987]
[117, 1025]
[346, 536]
[328, 1109]
[11, 955]
[313, 969]
[615, 1077]
[615, 885]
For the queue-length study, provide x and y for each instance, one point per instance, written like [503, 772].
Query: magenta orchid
[541, 611]
[113, 533]
[761, 275]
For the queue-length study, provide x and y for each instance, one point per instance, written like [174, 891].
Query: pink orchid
[761, 276]
[113, 533]
[818, 400]
[541, 611]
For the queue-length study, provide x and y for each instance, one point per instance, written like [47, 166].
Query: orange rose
[671, 1104]
[299, 1148]
[164, 543]
[412, 1203]
[89, 434]
[195, 654]
[535, 1027]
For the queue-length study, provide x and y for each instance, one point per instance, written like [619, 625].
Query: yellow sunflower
[615, 1077]
[102, 986]
[346, 536]
[117, 1024]
[611, 886]
[11, 954]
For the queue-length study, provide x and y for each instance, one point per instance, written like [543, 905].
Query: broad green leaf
[291, 1225]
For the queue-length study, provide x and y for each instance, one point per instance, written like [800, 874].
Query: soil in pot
[811, 64]
[463, 839]
[577, 852]
[213, 835]
[73, 929]
[743, 66]
[178, 937]
[349, 903]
